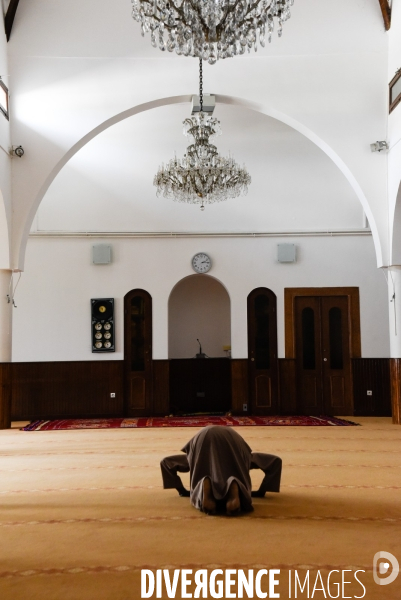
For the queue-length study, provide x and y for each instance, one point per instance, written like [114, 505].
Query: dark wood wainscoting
[161, 387]
[287, 374]
[5, 395]
[395, 375]
[368, 374]
[200, 385]
[287, 392]
[239, 385]
[45, 390]
[371, 374]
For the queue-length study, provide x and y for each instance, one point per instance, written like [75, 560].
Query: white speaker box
[101, 254]
[286, 253]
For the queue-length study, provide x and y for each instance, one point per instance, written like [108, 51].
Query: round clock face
[201, 263]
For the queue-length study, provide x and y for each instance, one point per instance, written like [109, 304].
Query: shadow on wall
[4, 239]
[199, 307]
[396, 239]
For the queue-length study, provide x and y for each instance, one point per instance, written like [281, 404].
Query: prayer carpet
[202, 421]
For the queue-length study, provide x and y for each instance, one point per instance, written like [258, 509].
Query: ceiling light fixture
[210, 29]
[202, 176]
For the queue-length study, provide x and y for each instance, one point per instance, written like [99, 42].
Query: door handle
[325, 359]
[252, 359]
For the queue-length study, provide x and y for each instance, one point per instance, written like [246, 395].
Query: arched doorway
[200, 382]
[138, 352]
[262, 352]
[198, 308]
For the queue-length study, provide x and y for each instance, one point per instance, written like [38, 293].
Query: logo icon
[382, 561]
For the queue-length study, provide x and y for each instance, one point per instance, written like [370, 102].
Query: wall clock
[201, 263]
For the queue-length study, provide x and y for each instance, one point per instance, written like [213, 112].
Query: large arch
[222, 99]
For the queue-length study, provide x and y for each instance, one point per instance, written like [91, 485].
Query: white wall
[198, 308]
[394, 138]
[5, 214]
[5, 164]
[52, 321]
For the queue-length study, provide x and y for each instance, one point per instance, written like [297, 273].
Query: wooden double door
[323, 360]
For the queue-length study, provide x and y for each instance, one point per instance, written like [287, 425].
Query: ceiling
[105, 28]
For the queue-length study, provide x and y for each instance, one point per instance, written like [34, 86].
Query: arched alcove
[198, 308]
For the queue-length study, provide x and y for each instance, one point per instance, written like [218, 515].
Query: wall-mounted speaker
[102, 311]
[101, 254]
[286, 253]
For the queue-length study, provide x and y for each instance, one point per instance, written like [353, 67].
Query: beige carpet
[83, 511]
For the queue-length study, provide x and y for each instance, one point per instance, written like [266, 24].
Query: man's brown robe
[221, 454]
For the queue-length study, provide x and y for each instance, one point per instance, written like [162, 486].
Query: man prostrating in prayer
[219, 460]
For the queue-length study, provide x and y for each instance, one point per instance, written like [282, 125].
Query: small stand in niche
[200, 353]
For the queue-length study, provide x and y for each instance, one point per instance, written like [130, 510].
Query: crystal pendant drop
[202, 176]
[219, 24]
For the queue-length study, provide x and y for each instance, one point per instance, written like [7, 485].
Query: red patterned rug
[185, 422]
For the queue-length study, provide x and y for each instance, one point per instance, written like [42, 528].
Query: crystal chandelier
[210, 29]
[202, 176]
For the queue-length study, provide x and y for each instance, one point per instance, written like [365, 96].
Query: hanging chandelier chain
[202, 176]
[200, 85]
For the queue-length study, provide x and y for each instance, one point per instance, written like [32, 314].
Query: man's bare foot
[233, 505]
[208, 502]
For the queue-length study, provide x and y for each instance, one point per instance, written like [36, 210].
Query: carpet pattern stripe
[267, 434]
[151, 487]
[389, 520]
[99, 452]
[125, 568]
[106, 467]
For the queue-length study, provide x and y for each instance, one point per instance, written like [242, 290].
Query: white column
[5, 317]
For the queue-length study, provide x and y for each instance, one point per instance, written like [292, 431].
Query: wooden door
[322, 336]
[262, 352]
[308, 353]
[336, 372]
[138, 353]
